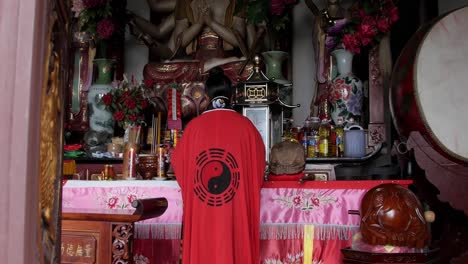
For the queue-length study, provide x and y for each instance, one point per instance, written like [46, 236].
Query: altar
[299, 222]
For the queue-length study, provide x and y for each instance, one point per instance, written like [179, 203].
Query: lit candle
[131, 164]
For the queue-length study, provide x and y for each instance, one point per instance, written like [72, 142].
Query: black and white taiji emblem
[217, 177]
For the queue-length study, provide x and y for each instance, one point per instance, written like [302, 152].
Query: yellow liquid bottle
[324, 134]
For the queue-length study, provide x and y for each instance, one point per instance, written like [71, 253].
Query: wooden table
[103, 236]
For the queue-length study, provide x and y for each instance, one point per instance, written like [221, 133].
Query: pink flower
[112, 202]
[131, 198]
[315, 201]
[297, 200]
[77, 7]
[105, 28]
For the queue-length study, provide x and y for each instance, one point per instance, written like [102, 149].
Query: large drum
[429, 90]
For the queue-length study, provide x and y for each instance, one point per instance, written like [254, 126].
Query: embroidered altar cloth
[300, 223]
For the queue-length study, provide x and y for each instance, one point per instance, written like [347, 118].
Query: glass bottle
[339, 131]
[324, 134]
[314, 139]
[305, 136]
[332, 142]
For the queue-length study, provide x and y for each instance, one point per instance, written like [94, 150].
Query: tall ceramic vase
[346, 92]
[274, 65]
[101, 119]
[274, 71]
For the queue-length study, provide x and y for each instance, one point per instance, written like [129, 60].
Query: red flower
[277, 7]
[107, 99]
[124, 96]
[149, 83]
[297, 200]
[131, 198]
[351, 43]
[364, 39]
[144, 104]
[105, 28]
[133, 117]
[130, 103]
[383, 25]
[367, 27]
[93, 3]
[112, 202]
[315, 201]
[394, 14]
[119, 116]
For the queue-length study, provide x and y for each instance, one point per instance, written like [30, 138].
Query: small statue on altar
[392, 215]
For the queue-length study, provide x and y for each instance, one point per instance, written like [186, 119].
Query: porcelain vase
[274, 65]
[346, 92]
[100, 118]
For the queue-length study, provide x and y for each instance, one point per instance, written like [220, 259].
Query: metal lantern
[258, 98]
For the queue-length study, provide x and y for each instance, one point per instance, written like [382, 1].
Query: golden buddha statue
[203, 34]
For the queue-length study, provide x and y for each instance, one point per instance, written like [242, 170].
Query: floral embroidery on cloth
[305, 200]
[119, 198]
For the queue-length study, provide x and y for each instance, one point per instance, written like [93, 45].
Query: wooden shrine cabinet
[104, 236]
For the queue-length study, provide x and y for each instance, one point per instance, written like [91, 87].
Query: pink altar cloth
[300, 223]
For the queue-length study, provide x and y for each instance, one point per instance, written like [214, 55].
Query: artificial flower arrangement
[95, 18]
[126, 102]
[370, 21]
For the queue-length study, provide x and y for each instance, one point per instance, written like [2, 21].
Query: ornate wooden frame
[51, 124]
[377, 126]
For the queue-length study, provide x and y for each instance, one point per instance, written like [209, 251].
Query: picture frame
[260, 117]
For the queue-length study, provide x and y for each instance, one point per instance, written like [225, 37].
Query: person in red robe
[219, 164]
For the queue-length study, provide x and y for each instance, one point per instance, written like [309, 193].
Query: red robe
[219, 164]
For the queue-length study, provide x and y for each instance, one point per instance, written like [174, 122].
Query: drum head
[441, 86]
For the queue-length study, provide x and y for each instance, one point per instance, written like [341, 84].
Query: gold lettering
[79, 251]
[88, 249]
[62, 248]
[70, 250]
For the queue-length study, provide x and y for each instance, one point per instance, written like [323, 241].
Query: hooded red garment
[219, 164]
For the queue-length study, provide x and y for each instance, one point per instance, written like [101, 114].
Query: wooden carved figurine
[392, 215]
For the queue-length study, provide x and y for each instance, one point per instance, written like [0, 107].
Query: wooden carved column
[50, 146]
[122, 237]
[377, 127]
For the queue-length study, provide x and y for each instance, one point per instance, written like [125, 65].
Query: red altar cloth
[300, 223]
